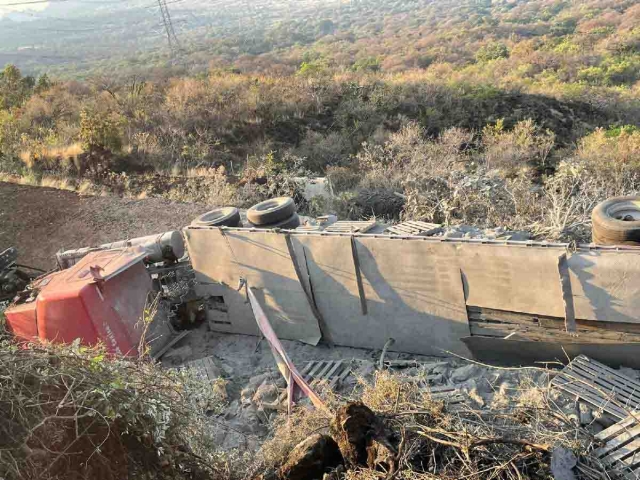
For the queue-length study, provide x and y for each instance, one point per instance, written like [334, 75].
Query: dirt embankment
[40, 221]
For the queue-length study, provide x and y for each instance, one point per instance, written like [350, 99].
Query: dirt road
[40, 221]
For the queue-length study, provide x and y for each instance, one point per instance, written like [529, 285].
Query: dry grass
[73, 412]
[511, 439]
[47, 158]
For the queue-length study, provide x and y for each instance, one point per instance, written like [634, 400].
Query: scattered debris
[344, 226]
[600, 386]
[295, 381]
[312, 458]
[621, 450]
[414, 228]
[14, 278]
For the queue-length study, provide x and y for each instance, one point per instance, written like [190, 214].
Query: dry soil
[40, 221]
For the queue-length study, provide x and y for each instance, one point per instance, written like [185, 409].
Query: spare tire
[271, 211]
[219, 217]
[290, 223]
[617, 221]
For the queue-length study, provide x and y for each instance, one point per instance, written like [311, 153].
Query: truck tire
[616, 221]
[219, 217]
[290, 223]
[271, 211]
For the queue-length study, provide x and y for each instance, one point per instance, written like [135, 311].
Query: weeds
[74, 412]
[512, 437]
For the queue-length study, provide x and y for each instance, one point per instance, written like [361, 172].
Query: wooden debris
[406, 229]
[171, 343]
[344, 226]
[621, 451]
[599, 386]
[331, 371]
[205, 368]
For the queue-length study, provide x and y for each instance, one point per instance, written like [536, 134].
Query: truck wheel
[271, 211]
[290, 223]
[616, 221]
[219, 217]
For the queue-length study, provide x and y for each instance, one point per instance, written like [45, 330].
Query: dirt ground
[40, 221]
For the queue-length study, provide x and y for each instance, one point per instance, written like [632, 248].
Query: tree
[14, 88]
[43, 84]
[493, 51]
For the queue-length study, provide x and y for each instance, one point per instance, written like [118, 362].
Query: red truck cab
[102, 298]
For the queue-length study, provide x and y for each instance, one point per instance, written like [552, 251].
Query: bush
[101, 131]
[524, 146]
[493, 51]
[74, 412]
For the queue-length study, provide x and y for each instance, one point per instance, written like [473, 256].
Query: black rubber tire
[271, 211]
[219, 217]
[290, 223]
[610, 226]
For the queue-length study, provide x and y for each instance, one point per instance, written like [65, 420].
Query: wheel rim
[626, 211]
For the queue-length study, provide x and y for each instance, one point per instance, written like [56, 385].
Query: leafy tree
[368, 64]
[14, 88]
[493, 51]
[101, 131]
[43, 84]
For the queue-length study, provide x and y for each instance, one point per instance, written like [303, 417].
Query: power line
[174, 45]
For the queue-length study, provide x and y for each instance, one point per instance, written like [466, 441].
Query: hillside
[516, 114]
[80, 38]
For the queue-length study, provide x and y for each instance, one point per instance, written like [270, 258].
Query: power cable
[174, 45]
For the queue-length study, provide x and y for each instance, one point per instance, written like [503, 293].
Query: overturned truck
[505, 301]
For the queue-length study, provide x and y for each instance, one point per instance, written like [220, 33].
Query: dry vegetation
[424, 439]
[68, 412]
[521, 114]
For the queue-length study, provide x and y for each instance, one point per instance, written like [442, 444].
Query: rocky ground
[253, 384]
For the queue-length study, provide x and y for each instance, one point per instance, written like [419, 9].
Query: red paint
[100, 299]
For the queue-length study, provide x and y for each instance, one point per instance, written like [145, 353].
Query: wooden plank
[622, 438]
[316, 369]
[306, 370]
[340, 378]
[603, 368]
[591, 396]
[624, 392]
[587, 331]
[350, 227]
[324, 371]
[628, 454]
[615, 429]
[412, 228]
[602, 380]
[492, 329]
[502, 316]
[334, 369]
